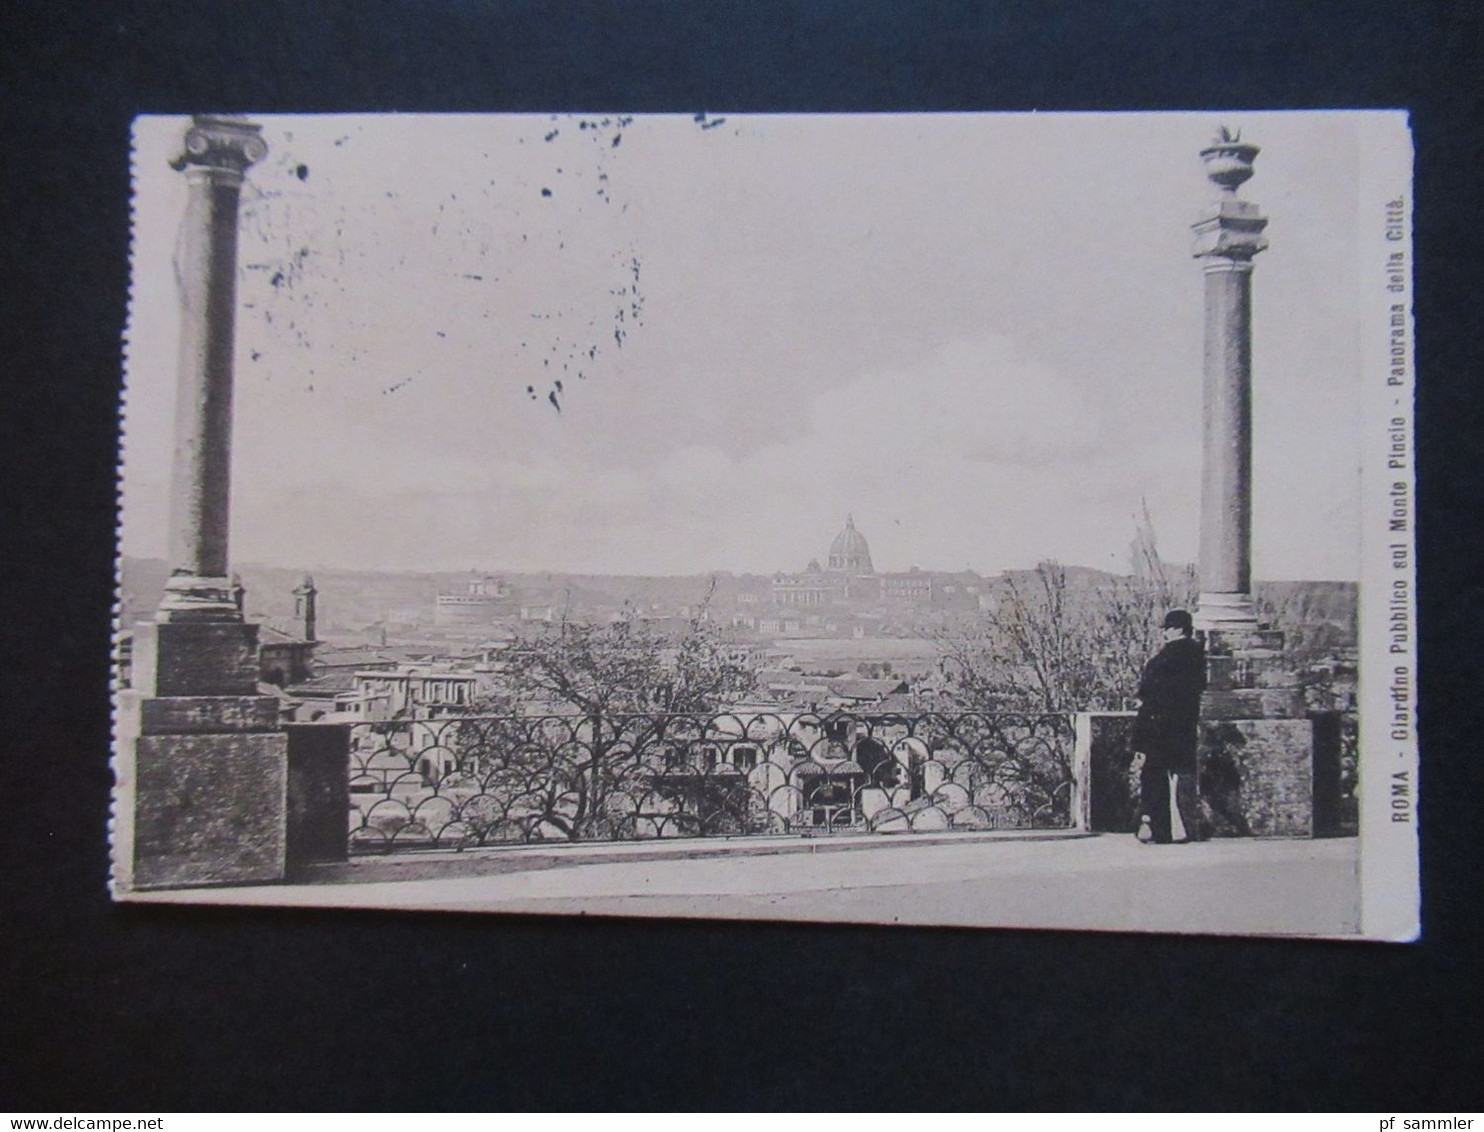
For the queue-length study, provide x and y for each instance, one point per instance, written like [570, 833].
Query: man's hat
[1179, 619]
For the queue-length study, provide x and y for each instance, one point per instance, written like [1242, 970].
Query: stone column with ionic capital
[1227, 237]
[216, 151]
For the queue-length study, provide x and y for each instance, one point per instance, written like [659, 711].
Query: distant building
[850, 577]
[422, 692]
[915, 586]
[357, 658]
[286, 652]
[780, 624]
[482, 602]
[378, 695]
[284, 659]
[854, 691]
[305, 596]
[323, 697]
[849, 553]
[810, 588]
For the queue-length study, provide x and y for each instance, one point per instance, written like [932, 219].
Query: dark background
[159, 1008]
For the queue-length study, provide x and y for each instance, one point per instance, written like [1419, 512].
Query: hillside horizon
[350, 601]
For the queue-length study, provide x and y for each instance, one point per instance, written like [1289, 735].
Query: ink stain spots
[309, 250]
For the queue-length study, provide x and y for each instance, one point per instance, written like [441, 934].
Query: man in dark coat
[1165, 730]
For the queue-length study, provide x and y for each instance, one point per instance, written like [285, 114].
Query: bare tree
[627, 666]
[594, 703]
[1055, 643]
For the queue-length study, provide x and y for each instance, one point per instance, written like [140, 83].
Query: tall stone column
[199, 760]
[216, 153]
[1227, 237]
[1257, 746]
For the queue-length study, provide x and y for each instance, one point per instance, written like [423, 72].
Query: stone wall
[1258, 777]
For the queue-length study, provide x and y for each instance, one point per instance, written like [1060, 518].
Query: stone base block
[1251, 639]
[1252, 703]
[192, 597]
[1257, 777]
[194, 810]
[196, 658]
[188, 714]
[1249, 670]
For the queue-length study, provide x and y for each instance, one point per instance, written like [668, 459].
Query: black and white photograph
[981, 520]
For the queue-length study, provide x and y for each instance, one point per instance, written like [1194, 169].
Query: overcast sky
[980, 334]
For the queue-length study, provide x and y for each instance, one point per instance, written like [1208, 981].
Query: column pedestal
[1256, 753]
[1247, 676]
[200, 763]
[189, 597]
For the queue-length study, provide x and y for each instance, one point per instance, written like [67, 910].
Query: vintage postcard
[948, 519]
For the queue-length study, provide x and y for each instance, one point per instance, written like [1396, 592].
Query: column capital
[1230, 229]
[220, 147]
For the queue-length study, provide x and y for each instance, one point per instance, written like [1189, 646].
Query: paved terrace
[1041, 880]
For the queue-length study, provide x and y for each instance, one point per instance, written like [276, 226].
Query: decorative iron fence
[467, 781]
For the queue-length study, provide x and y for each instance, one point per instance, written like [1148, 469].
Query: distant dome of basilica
[850, 552]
